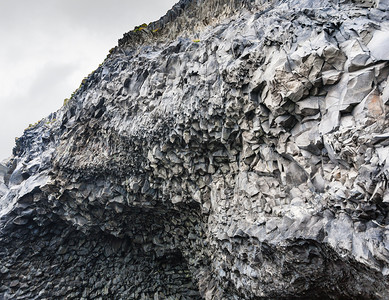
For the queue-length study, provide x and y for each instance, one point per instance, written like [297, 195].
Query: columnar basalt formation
[230, 150]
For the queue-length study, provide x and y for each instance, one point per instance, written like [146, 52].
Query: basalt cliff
[230, 150]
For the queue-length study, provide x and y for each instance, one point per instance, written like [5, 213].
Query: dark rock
[230, 150]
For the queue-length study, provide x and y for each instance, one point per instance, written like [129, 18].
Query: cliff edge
[230, 150]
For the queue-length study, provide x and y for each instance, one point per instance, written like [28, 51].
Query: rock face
[230, 150]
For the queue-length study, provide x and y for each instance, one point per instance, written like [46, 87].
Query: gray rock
[230, 150]
[309, 106]
[379, 44]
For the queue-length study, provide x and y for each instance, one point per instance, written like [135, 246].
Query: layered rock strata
[230, 150]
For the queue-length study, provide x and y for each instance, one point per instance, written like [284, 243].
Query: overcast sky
[49, 46]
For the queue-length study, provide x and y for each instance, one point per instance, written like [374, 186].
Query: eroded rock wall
[239, 157]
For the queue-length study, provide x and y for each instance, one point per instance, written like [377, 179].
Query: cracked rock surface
[229, 150]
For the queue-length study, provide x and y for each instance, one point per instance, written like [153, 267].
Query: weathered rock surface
[230, 150]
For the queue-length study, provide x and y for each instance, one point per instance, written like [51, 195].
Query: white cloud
[48, 46]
